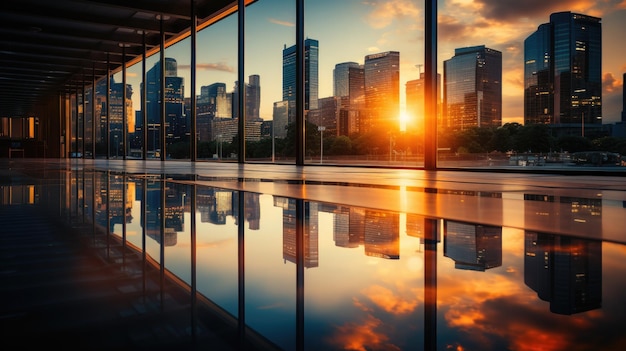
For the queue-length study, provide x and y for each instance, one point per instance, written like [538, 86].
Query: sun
[404, 120]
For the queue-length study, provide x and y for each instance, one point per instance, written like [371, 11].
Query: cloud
[610, 84]
[513, 80]
[451, 29]
[218, 66]
[387, 12]
[282, 23]
[390, 302]
[505, 11]
[361, 337]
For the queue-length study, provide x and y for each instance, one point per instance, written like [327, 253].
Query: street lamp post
[321, 129]
[218, 146]
[273, 142]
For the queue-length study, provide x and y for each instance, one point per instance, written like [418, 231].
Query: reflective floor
[142, 254]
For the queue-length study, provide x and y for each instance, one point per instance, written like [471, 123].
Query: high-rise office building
[218, 100]
[415, 104]
[116, 113]
[349, 87]
[341, 78]
[175, 120]
[252, 100]
[382, 92]
[472, 88]
[311, 82]
[563, 71]
[624, 98]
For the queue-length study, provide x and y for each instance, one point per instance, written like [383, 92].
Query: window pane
[363, 63]
[134, 116]
[270, 31]
[153, 109]
[526, 89]
[116, 115]
[216, 73]
[88, 137]
[177, 74]
[101, 117]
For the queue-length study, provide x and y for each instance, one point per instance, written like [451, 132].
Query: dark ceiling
[49, 47]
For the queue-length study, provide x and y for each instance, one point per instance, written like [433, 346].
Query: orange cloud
[282, 23]
[213, 66]
[388, 12]
[610, 84]
[388, 301]
[361, 337]
[513, 79]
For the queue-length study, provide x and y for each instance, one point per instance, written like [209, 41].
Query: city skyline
[395, 25]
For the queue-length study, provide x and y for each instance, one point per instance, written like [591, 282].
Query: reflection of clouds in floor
[361, 336]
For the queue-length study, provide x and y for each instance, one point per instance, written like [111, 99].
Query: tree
[341, 145]
[611, 144]
[533, 138]
[573, 143]
[501, 140]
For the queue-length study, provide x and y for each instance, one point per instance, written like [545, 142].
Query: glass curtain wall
[88, 113]
[216, 79]
[521, 86]
[153, 112]
[73, 142]
[100, 100]
[364, 82]
[177, 118]
[134, 119]
[116, 116]
[270, 71]
[526, 89]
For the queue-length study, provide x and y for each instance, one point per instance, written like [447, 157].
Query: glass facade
[472, 89]
[364, 91]
[563, 76]
[538, 93]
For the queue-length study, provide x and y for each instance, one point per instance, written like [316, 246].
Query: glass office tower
[341, 78]
[538, 87]
[311, 59]
[382, 92]
[563, 71]
[472, 89]
[176, 123]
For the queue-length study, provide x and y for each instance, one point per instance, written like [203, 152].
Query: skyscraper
[563, 71]
[253, 98]
[415, 104]
[311, 54]
[341, 78]
[349, 87]
[472, 88]
[624, 99]
[176, 124]
[382, 92]
[252, 101]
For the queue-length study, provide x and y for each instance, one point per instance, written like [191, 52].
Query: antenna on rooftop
[419, 70]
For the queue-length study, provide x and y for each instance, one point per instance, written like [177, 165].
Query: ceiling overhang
[49, 47]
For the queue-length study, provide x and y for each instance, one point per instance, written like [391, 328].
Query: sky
[348, 30]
